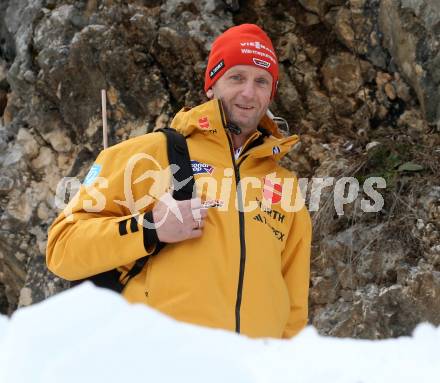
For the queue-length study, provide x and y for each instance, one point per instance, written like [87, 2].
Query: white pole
[104, 118]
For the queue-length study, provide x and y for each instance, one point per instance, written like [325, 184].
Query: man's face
[245, 93]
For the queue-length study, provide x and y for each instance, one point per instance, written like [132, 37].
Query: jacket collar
[210, 117]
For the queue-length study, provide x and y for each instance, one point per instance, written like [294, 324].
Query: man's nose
[248, 90]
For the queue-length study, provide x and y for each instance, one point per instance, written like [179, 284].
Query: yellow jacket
[249, 272]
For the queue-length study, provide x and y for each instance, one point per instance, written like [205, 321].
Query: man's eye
[262, 81]
[236, 77]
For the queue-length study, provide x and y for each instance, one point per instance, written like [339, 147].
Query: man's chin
[244, 124]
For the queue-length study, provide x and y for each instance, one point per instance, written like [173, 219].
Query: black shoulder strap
[178, 154]
[183, 186]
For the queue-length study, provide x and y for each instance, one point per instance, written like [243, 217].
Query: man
[235, 257]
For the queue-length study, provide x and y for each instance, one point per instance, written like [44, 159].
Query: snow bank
[88, 334]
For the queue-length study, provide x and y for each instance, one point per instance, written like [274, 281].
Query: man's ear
[210, 94]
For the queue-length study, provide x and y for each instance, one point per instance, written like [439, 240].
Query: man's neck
[238, 140]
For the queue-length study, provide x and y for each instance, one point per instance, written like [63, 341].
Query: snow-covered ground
[92, 335]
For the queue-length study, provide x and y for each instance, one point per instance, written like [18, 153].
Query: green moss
[384, 161]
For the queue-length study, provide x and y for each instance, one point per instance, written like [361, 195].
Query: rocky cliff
[360, 82]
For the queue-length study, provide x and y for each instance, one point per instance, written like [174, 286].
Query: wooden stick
[104, 118]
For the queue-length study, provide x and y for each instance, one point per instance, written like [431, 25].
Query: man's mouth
[244, 107]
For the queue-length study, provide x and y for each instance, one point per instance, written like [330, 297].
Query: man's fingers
[195, 234]
[198, 224]
[204, 212]
[197, 214]
[193, 203]
[201, 213]
[196, 203]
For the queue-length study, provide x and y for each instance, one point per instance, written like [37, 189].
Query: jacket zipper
[241, 226]
[242, 247]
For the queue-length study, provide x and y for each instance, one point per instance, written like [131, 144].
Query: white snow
[88, 334]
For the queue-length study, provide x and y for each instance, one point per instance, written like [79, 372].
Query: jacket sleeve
[98, 231]
[296, 271]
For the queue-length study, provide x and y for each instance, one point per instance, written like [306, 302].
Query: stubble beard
[246, 127]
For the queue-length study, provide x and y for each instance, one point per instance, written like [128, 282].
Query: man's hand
[179, 220]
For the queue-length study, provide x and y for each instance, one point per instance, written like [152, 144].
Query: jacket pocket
[137, 288]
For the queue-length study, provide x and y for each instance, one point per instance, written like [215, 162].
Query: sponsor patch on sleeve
[92, 174]
[201, 168]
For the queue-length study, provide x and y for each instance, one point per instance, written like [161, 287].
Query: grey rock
[427, 10]
[342, 74]
[3, 74]
[19, 19]
[28, 143]
[12, 156]
[314, 6]
[6, 184]
[414, 42]
[12, 273]
[7, 46]
[320, 106]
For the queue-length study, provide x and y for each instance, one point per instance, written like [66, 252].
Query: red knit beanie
[245, 44]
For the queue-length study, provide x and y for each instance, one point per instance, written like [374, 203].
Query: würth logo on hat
[272, 192]
[261, 63]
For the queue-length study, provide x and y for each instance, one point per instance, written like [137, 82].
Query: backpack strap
[178, 154]
[183, 186]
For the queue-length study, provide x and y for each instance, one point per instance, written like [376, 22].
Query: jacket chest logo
[272, 191]
[201, 168]
[204, 125]
[272, 219]
[278, 234]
